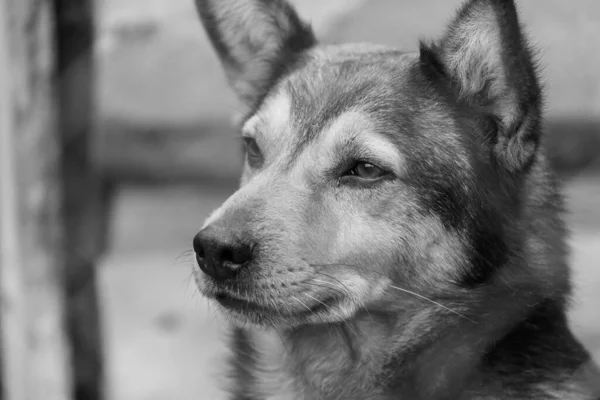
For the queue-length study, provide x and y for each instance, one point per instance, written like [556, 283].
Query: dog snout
[221, 254]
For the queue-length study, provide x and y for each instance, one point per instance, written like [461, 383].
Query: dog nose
[220, 255]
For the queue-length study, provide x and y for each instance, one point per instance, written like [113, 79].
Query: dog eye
[367, 171]
[253, 153]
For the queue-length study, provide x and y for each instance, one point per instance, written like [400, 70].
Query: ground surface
[157, 67]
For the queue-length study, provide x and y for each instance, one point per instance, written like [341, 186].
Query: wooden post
[35, 359]
[84, 197]
[12, 312]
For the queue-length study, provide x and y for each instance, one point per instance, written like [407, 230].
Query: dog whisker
[317, 300]
[344, 290]
[188, 279]
[308, 308]
[342, 284]
[331, 277]
[329, 308]
[187, 282]
[184, 257]
[397, 288]
[346, 293]
[336, 265]
[283, 342]
[327, 287]
[275, 307]
[334, 278]
[358, 302]
[358, 268]
[433, 302]
[299, 301]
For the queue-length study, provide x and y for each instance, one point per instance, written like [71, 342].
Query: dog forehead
[273, 117]
[332, 81]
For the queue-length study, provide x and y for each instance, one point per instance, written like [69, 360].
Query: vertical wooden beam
[12, 322]
[84, 212]
[35, 345]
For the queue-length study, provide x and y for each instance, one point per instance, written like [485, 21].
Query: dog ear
[489, 65]
[255, 40]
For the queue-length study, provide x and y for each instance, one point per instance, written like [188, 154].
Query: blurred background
[147, 148]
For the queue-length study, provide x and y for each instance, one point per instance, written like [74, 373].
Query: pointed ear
[490, 67]
[256, 41]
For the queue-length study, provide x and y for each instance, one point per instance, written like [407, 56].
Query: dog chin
[342, 310]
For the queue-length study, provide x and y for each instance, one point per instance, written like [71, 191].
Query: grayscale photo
[299, 200]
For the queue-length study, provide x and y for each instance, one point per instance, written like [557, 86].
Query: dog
[397, 233]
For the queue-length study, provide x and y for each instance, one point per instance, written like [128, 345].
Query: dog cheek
[432, 255]
[319, 239]
[443, 253]
[315, 223]
[358, 234]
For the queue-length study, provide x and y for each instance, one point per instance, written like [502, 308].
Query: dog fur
[446, 275]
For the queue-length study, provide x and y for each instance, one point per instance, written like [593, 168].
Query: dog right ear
[256, 41]
[490, 66]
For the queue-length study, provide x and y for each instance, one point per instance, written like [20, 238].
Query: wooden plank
[35, 345]
[205, 152]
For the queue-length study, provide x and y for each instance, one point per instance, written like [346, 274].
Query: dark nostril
[239, 254]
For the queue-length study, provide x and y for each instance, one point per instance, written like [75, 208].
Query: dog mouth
[300, 309]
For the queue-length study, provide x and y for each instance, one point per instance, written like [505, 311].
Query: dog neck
[377, 356]
[343, 360]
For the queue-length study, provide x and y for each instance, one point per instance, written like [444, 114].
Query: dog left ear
[490, 67]
[256, 41]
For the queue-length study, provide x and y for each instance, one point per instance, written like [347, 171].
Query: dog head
[370, 173]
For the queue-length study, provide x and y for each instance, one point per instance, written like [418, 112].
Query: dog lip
[230, 302]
